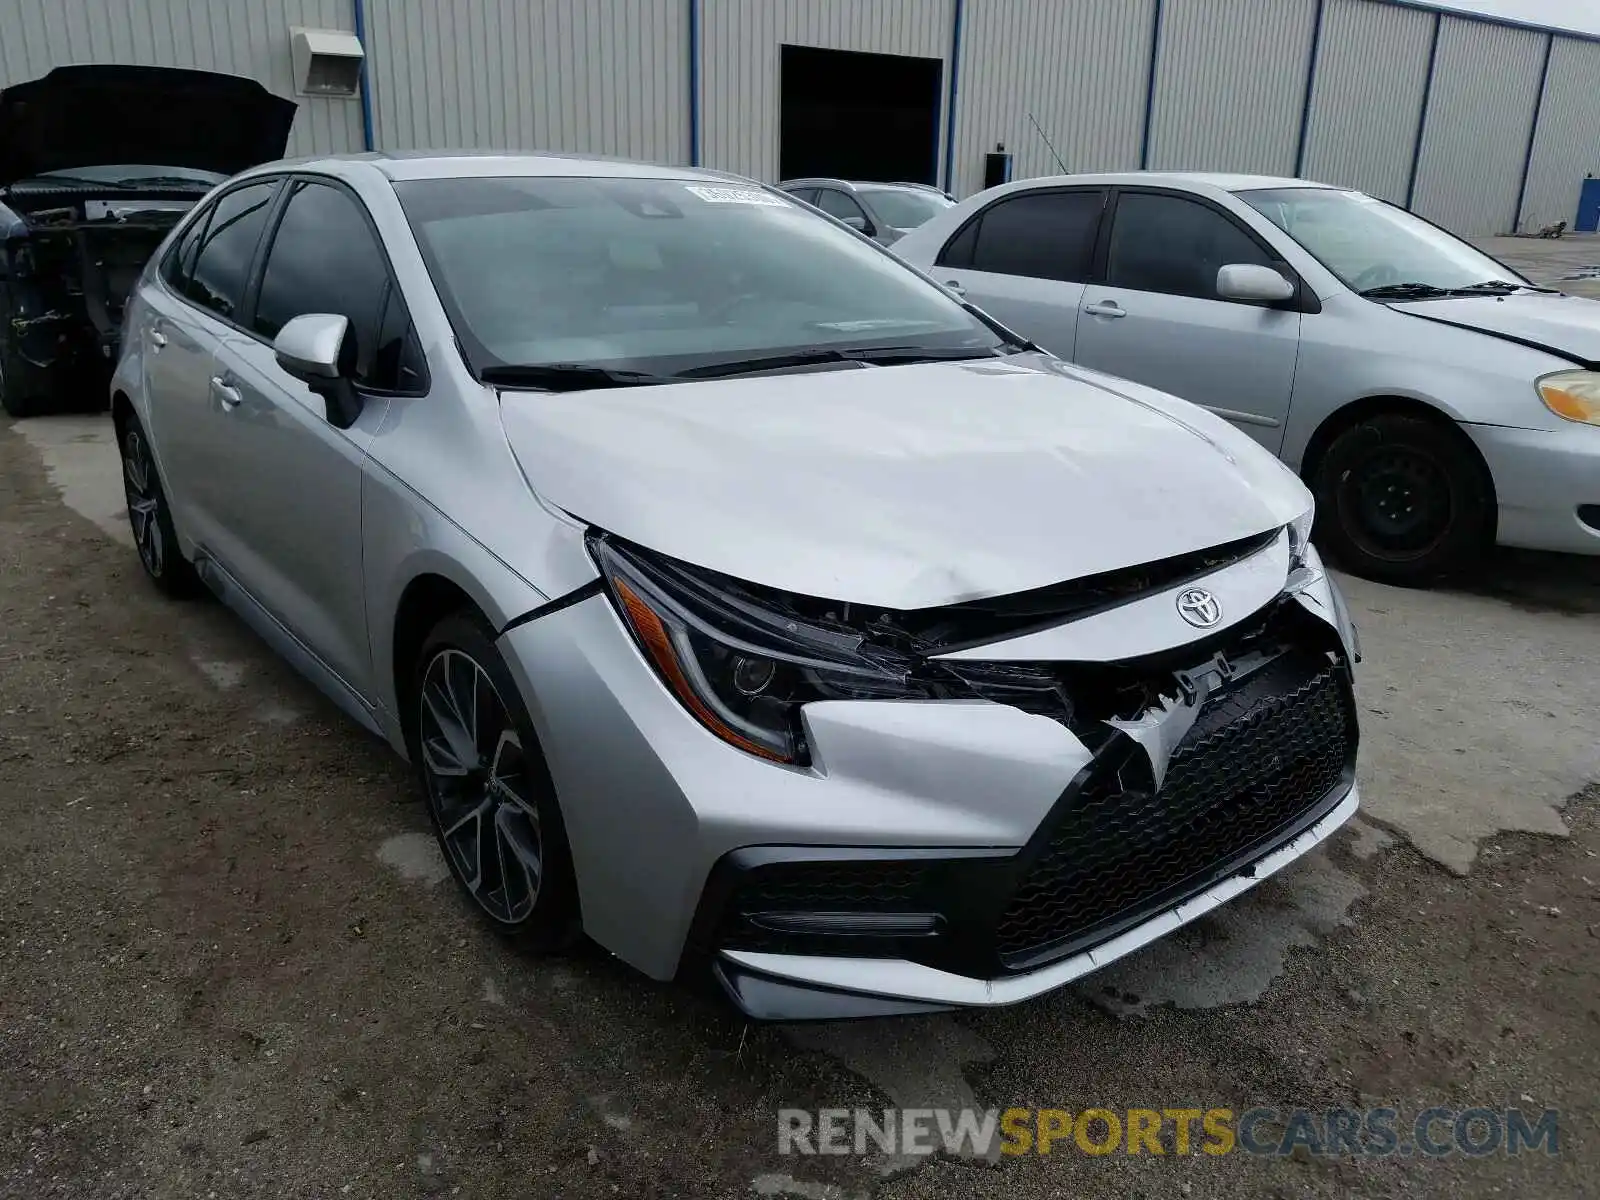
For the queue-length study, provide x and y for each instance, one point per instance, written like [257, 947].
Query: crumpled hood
[100, 114]
[1567, 325]
[904, 487]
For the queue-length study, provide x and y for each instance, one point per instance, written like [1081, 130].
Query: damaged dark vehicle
[97, 163]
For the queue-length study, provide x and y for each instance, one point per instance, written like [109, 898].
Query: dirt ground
[230, 969]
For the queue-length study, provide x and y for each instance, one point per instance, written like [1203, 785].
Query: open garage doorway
[859, 116]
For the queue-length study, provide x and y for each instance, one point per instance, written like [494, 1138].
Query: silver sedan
[741, 599]
[1435, 400]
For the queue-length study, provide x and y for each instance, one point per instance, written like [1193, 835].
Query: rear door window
[227, 248]
[836, 204]
[1041, 235]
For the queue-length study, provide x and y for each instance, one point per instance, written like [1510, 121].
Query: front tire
[150, 517]
[1403, 500]
[488, 790]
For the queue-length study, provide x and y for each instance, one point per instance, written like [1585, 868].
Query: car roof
[1200, 180]
[857, 184]
[401, 165]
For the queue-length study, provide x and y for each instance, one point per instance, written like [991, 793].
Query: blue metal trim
[1533, 133]
[1311, 80]
[1150, 87]
[1422, 117]
[1486, 19]
[950, 100]
[694, 83]
[360, 14]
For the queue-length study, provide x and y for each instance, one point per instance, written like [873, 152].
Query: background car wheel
[150, 519]
[488, 790]
[25, 389]
[1403, 500]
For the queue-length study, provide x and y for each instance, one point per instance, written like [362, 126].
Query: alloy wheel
[144, 502]
[481, 787]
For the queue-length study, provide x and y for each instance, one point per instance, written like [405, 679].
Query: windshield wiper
[1501, 287]
[567, 377]
[1404, 291]
[878, 356]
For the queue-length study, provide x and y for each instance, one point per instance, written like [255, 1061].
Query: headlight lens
[1300, 535]
[743, 669]
[1573, 395]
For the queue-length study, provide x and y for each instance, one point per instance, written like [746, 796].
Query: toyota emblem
[1199, 607]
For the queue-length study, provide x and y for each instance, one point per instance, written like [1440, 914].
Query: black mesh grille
[1260, 756]
[840, 886]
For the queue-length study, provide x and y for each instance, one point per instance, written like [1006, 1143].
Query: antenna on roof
[1061, 165]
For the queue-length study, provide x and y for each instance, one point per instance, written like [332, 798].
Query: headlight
[1300, 535]
[1574, 395]
[740, 663]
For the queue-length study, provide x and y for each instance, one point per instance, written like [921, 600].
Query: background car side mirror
[1253, 282]
[316, 349]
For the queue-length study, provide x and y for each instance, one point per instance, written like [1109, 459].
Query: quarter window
[1169, 244]
[836, 204]
[226, 249]
[324, 258]
[1042, 235]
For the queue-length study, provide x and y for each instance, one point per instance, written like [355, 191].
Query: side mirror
[1253, 282]
[315, 349]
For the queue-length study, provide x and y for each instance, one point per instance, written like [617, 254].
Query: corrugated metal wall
[1080, 69]
[1567, 145]
[1366, 102]
[239, 38]
[1230, 84]
[601, 76]
[1476, 136]
[740, 52]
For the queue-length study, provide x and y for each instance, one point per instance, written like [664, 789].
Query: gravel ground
[231, 967]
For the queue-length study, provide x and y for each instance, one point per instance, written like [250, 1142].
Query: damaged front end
[1206, 760]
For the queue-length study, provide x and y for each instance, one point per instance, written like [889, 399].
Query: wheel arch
[1356, 411]
[425, 601]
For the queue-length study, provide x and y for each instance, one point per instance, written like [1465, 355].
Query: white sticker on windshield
[735, 195]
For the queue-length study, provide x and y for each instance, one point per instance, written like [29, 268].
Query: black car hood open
[95, 115]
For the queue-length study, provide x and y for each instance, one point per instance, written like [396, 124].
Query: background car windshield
[903, 208]
[1368, 243]
[662, 275]
[134, 172]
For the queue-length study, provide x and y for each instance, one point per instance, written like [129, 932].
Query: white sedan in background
[1434, 400]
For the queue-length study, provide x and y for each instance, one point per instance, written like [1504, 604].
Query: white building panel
[1230, 84]
[1475, 139]
[1366, 101]
[596, 77]
[741, 47]
[238, 38]
[1567, 146]
[1080, 70]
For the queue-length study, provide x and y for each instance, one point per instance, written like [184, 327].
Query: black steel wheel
[488, 791]
[1403, 499]
[150, 519]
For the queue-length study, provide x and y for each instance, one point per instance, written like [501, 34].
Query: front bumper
[1547, 483]
[1001, 814]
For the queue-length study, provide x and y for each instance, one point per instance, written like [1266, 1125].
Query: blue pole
[1533, 132]
[1422, 119]
[950, 101]
[1305, 107]
[1150, 89]
[694, 83]
[366, 79]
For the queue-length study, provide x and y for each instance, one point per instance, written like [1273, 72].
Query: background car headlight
[1574, 395]
[742, 663]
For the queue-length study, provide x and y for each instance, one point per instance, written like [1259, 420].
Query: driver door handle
[955, 287]
[227, 395]
[1105, 308]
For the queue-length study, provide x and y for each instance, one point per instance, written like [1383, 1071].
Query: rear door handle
[1105, 308]
[227, 395]
[955, 287]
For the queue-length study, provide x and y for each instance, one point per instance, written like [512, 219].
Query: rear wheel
[150, 518]
[488, 791]
[25, 389]
[1403, 499]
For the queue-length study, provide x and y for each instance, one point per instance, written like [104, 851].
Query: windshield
[1370, 244]
[903, 208]
[663, 276]
[135, 173]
